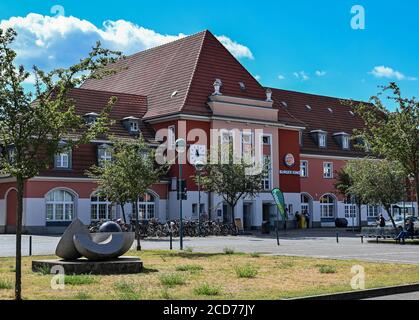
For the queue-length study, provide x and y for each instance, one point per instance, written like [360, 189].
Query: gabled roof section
[178, 77]
[127, 105]
[319, 113]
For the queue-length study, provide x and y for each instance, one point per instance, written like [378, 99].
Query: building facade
[195, 89]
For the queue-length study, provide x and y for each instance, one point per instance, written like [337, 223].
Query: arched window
[327, 207]
[101, 208]
[146, 207]
[60, 206]
[305, 203]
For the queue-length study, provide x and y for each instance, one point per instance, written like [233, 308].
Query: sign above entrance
[290, 172]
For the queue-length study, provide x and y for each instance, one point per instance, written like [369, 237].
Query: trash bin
[265, 227]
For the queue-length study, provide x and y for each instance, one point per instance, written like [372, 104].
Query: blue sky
[307, 46]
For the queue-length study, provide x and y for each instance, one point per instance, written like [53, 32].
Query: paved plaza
[319, 243]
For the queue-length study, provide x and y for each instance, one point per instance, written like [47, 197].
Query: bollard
[171, 241]
[30, 246]
[337, 237]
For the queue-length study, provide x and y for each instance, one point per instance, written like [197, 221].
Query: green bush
[327, 269]
[255, 255]
[192, 268]
[246, 272]
[5, 284]
[206, 290]
[228, 250]
[77, 280]
[171, 280]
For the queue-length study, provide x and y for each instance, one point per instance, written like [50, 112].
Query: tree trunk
[390, 214]
[19, 215]
[123, 212]
[137, 227]
[359, 216]
[417, 193]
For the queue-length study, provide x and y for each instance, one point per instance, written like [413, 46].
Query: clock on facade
[197, 153]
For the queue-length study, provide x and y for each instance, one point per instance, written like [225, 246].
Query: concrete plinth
[123, 265]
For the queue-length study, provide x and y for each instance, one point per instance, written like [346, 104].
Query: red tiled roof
[87, 101]
[188, 66]
[319, 118]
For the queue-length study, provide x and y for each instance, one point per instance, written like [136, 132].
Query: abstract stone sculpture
[77, 242]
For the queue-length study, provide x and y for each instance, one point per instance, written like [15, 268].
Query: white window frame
[304, 164]
[61, 158]
[104, 154]
[373, 211]
[322, 140]
[64, 204]
[345, 142]
[146, 205]
[267, 179]
[97, 205]
[328, 170]
[133, 126]
[249, 136]
[327, 210]
[171, 137]
[269, 140]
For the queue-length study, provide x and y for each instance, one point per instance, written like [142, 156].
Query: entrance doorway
[11, 208]
[247, 216]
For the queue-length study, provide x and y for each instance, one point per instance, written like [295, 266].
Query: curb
[365, 294]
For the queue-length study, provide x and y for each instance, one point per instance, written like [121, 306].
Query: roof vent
[330, 110]
[352, 113]
[284, 104]
[242, 86]
[308, 107]
[268, 95]
[174, 94]
[217, 87]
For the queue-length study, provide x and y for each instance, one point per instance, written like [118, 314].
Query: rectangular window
[267, 179]
[304, 168]
[266, 140]
[328, 170]
[345, 142]
[247, 145]
[322, 140]
[171, 139]
[373, 211]
[62, 160]
[134, 126]
[104, 155]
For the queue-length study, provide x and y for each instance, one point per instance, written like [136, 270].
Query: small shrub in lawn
[5, 285]
[189, 250]
[228, 250]
[82, 296]
[127, 291]
[207, 290]
[171, 280]
[78, 280]
[246, 272]
[192, 268]
[327, 269]
[44, 270]
[255, 255]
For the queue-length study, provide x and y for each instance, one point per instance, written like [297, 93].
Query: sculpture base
[122, 265]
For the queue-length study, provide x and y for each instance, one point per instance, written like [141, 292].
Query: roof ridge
[166, 44]
[317, 95]
[194, 70]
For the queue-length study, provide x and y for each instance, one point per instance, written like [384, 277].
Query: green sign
[280, 202]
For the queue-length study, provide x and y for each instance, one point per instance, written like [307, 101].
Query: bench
[382, 233]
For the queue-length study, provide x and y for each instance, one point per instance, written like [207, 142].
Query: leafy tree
[232, 177]
[393, 135]
[377, 182]
[343, 185]
[129, 175]
[33, 125]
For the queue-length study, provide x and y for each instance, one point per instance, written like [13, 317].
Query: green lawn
[175, 275]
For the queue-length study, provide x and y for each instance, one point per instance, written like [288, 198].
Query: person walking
[307, 217]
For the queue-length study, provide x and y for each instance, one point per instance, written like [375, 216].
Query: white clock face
[197, 153]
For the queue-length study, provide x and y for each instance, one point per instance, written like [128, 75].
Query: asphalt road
[309, 243]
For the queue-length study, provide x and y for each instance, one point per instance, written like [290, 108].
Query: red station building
[188, 89]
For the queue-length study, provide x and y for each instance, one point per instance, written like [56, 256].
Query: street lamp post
[181, 149]
[199, 166]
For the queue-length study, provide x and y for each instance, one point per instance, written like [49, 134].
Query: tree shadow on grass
[149, 270]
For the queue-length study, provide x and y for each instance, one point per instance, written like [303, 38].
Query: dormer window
[342, 139]
[62, 160]
[91, 117]
[132, 125]
[320, 137]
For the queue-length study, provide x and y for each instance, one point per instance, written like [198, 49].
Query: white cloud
[281, 77]
[389, 73]
[302, 75]
[50, 42]
[321, 73]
